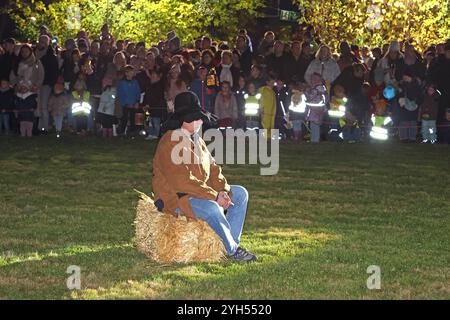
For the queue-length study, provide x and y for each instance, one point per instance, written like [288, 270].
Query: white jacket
[329, 70]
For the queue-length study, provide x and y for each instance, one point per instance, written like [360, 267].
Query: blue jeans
[156, 126]
[229, 227]
[4, 122]
[429, 130]
[315, 132]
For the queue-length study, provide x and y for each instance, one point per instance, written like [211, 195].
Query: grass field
[332, 211]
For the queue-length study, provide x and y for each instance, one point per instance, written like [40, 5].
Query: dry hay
[166, 238]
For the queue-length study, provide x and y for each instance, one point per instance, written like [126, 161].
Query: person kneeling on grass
[198, 189]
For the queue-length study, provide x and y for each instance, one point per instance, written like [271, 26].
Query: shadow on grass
[121, 272]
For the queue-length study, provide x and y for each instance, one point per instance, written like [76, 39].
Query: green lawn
[332, 211]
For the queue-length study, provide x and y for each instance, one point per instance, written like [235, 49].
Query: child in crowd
[6, 106]
[226, 107]
[129, 95]
[283, 101]
[428, 112]
[106, 107]
[204, 93]
[338, 107]
[316, 99]
[252, 107]
[268, 105]
[155, 104]
[25, 106]
[240, 92]
[349, 124]
[297, 109]
[58, 104]
[409, 99]
[81, 107]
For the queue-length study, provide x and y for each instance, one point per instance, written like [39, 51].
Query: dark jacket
[205, 95]
[412, 91]
[278, 65]
[154, 98]
[25, 107]
[7, 100]
[50, 64]
[428, 109]
[297, 67]
[6, 63]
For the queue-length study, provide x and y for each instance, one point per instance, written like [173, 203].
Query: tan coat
[171, 181]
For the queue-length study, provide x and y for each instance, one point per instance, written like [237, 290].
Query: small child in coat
[316, 99]
[58, 104]
[428, 111]
[25, 104]
[106, 107]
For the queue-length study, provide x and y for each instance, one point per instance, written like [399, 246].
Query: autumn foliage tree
[375, 22]
[140, 20]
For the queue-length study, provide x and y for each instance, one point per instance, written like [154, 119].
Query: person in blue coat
[129, 95]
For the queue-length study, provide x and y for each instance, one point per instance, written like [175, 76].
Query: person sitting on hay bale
[198, 189]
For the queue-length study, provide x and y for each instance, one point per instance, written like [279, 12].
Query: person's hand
[224, 200]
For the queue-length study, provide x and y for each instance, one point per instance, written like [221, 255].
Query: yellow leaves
[378, 20]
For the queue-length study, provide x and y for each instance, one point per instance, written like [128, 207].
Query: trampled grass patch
[332, 211]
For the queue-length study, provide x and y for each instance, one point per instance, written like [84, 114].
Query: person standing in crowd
[428, 112]
[266, 43]
[277, 62]
[6, 106]
[58, 104]
[25, 106]
[256, 77]
[129, 95]
[408, 102]
[347, 57]
[174, 86]
[155, 104]
[205, 94]
[283, 101]
[8, 58]
[225, 107]
[28, 68]
[226, 71]
[324, 65]
[298, 62]
[316, 98]
[81, 108]
[245, 54]
[268, 104]
[393, 64]
[240, 92]
[107, 107]
[46, 54]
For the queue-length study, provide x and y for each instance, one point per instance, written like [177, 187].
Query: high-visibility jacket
[379, 130]
[337, 108]
[81, 105]
[252, 108]
[268, 105]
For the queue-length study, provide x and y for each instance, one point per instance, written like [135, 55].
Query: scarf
[226, 74]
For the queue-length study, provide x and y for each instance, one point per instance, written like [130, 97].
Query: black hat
[187, 109]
